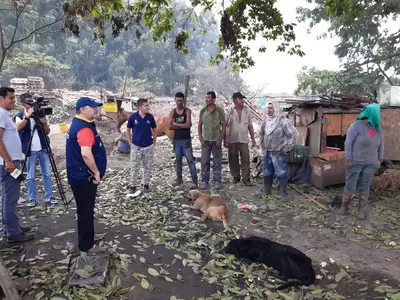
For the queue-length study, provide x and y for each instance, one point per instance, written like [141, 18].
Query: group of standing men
[277, 138]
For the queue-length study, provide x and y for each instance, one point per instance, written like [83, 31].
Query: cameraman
[25, 124]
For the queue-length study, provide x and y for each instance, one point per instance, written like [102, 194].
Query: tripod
[39, 127]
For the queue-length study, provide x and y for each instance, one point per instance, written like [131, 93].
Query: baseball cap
[26, 98]
[238, 95]
[86, 101]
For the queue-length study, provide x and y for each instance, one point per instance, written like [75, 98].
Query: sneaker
[51, 200]
[193, 186]
[32, 203]
[23, 229]
[146, 187]
[218, 185]
[248, 183]
[236, 180]
[204, 185]
[23, 237]
[177, 182]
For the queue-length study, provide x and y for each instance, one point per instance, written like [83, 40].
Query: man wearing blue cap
[36, 151]
[86, 165]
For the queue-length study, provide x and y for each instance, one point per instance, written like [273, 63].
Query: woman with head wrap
[363, 156]
[278, 136]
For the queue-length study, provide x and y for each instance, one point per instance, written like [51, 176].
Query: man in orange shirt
[86, 159]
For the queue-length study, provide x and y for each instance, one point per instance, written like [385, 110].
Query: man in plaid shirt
[278, 136]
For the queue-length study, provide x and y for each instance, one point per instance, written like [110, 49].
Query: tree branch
[33, 32]
[381, 70]
[18, 13]
[1, 39]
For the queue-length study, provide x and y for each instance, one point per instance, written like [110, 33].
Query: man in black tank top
[180, 122]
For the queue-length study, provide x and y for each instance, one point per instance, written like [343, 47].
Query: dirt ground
[159, 252]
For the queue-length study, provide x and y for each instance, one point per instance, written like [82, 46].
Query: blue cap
[86, 101]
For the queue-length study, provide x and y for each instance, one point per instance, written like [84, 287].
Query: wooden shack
[323, 126]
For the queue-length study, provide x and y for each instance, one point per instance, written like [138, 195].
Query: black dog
[288, 261]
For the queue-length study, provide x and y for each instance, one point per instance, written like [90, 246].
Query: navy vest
[25, 135]
[77, 170]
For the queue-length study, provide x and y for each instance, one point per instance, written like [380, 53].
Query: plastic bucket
[123, 146]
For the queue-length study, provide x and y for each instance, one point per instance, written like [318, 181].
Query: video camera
[40, 106]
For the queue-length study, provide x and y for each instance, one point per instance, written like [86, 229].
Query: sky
[278, 70]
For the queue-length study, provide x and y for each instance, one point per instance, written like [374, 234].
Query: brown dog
[211, 207]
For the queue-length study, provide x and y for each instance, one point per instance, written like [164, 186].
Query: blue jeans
[183, 148]
[211, 147]
[275, 162]
[44, 162]
[363, 174]
[9, 199]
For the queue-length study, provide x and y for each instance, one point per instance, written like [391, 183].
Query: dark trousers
[211, 147]
[233, 155]
[183, 148]
[85, 195]
[10, 193]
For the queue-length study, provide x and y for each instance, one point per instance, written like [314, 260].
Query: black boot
[283, 183]
[362, 208]
[268, 184]
[344, 208]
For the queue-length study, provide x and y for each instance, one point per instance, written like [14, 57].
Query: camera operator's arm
[21, 123]
[46, 126]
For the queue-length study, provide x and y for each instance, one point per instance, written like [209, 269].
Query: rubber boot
[268, 184]
[283, 183]
[344, 208]
[362, 208]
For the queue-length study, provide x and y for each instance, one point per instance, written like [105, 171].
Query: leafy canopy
[241, 21]
[369, 32]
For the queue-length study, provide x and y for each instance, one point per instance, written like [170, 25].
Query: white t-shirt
[36, 146]
[10, 136]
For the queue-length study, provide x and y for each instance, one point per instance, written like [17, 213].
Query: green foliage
[352, 82]
[365, 40]
[83, 63]
[242, 21]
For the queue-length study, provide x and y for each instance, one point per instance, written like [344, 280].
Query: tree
[364, 40]
[349, 82]
[222, 80]
[17, 11]
[241, 21]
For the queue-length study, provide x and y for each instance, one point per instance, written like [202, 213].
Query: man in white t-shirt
[37, 152]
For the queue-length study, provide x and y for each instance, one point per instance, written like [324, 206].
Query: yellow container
[63, 127]
[110, 107]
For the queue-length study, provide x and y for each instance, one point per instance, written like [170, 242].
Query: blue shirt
[141, 129]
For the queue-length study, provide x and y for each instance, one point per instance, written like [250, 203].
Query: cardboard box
[327, 172]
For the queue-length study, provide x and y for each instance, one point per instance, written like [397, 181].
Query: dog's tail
[296, 283]
[225, 222]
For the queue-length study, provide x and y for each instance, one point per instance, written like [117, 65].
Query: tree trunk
[2, 48]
